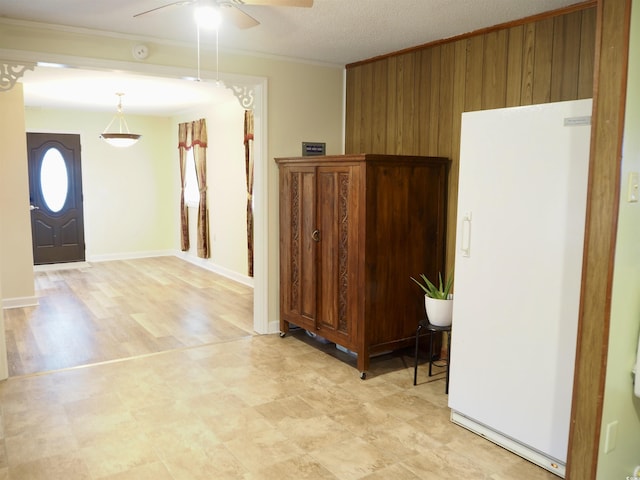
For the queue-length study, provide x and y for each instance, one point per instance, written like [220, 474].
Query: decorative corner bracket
[244, 95]
[10, 73]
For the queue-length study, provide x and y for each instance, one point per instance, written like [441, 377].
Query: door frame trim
[262, 297]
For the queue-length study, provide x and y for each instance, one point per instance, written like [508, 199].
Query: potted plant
[438, 300]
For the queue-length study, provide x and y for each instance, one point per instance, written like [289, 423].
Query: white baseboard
[19, 302]
[130, 255]
[208, 265]
[274, 326]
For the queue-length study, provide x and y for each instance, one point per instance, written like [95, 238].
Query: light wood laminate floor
[112, 310]
[229, 405]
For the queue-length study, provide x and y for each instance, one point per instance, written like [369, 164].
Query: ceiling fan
[229, 10]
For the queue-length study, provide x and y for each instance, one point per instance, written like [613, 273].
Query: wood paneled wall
[603, 201]
[411, 102]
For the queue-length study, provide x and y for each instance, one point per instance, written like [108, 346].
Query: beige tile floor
[258, 407]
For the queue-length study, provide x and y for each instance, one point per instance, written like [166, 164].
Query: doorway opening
[253, 88]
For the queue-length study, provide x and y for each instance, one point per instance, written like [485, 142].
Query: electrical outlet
[610, 437]
[633, 188]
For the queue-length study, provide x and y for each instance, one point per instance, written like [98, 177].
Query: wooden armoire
[353, 230]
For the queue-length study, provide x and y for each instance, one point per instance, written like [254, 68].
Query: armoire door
[298, 268]
[337, 213]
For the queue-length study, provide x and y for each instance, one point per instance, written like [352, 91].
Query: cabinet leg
[284, 328]
[362, 363]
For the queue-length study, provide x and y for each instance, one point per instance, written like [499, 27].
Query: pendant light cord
[198, 50]
[217, 59]
[198, 54]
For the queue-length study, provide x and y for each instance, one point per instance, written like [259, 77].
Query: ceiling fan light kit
[208, 15]
[211, 14]
[230, 10]
[120, 138]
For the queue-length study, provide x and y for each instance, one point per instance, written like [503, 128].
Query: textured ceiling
[332, 31]
[335, 31]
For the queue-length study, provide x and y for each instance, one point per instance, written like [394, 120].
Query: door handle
[34, 207]
[466, 235]
[316, 235]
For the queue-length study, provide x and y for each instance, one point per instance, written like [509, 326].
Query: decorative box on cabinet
[353, 229]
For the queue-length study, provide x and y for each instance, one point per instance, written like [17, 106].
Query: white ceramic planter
[438, 311]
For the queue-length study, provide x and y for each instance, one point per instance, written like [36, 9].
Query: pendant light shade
[120, 138]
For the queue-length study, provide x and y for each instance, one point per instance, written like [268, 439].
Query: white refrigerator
[518, 262]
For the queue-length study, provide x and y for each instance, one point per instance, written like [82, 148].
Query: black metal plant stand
[432, 329]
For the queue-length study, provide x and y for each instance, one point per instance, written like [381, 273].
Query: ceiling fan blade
[237, 17]
[277, 3]
[172, 4]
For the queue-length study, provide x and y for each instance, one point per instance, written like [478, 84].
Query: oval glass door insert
[54, 181]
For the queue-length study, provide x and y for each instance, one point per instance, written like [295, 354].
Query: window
[191, 191]
[54, 181]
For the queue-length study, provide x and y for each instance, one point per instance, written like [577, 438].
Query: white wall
[619, 403]
[16, 253]
[228, 191]
[129, 193]
[16, 257]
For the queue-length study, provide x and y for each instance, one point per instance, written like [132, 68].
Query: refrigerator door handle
[466, 235]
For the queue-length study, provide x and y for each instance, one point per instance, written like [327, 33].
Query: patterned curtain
[248, 160]
[195, 135]
[200, 157]
[184, 218]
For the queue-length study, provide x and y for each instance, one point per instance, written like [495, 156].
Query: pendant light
[119, 138]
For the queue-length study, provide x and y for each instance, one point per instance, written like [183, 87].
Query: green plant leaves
[430, 290]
